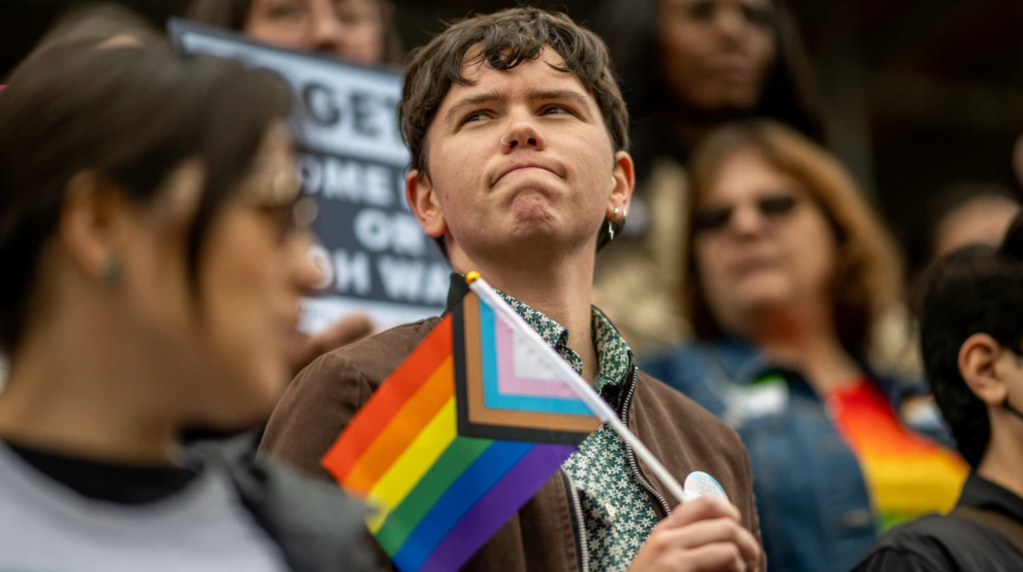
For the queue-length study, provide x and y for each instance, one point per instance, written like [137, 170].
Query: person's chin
[531, 203]
[762, 292]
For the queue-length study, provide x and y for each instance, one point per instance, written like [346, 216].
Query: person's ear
[623, 182]
[982, 363]
[425, 204]
[92, 226]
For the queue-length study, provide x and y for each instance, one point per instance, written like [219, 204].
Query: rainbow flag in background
[457, 439]
[908, 475]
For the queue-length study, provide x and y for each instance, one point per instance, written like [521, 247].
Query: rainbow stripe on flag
[457, 439]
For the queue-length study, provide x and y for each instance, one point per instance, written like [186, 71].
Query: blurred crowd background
[919, 96]
[919, 101]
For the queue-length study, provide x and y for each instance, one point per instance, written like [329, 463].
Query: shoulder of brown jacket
[374, 358]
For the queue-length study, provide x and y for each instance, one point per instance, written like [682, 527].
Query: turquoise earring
[112, 270]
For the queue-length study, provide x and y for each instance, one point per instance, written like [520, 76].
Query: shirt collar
[981, 493]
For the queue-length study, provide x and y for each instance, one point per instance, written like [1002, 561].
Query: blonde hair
[868, 276]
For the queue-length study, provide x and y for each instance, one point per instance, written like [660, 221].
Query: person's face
[763, 248]
[349, 29]
[983, 220]
[231, 338]
[547, 188]
[716, 54]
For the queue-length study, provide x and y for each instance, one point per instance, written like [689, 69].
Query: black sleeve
[893, 560]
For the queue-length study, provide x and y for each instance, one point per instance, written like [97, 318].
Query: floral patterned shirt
[617, 513]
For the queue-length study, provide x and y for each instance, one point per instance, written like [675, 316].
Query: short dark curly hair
[975, 290]
[504, 40]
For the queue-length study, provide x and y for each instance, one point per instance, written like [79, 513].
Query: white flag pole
[600, 408]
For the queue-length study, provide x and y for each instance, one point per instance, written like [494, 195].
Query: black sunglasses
[716, 218]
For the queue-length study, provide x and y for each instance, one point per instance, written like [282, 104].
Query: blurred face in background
[763, 247]
[982, 220]
[716, 54]
[348, 29]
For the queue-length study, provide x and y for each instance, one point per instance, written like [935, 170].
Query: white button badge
[700, 484]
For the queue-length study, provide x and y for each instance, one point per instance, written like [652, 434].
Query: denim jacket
[813, 501]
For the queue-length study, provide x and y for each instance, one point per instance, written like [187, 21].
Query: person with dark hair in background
[972, 342]
[689, 66]
[959, 215]
[970, 213]
[359, 31]
[517, 133]
[789, 270]
[150, 220]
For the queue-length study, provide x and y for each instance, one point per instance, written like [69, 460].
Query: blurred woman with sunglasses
[788, 271]
[149, 223]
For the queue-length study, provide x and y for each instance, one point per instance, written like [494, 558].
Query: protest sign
[374, 254]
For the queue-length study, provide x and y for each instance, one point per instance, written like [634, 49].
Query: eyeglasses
[284, 203]
[771, 207]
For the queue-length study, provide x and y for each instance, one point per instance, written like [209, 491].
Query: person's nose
[327, 34]
[730, 22]
[524, 132]
[746, 222]
[306, 275]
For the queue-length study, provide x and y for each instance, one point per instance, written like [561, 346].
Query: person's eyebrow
[560, 94]
[470, 101]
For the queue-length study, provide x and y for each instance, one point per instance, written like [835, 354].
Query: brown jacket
[543, 535]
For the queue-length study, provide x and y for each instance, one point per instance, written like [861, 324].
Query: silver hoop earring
[505, 144]
[611, 224]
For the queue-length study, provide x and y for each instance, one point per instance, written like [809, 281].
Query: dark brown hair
[867, 279]
[233, 14]
[131, 115]
[504, 40]
[94, 25]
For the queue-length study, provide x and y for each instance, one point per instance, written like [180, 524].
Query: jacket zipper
[578, 524]
[631, 455]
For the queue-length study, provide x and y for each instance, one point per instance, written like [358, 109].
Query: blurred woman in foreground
[789, 270]
[149, 217]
